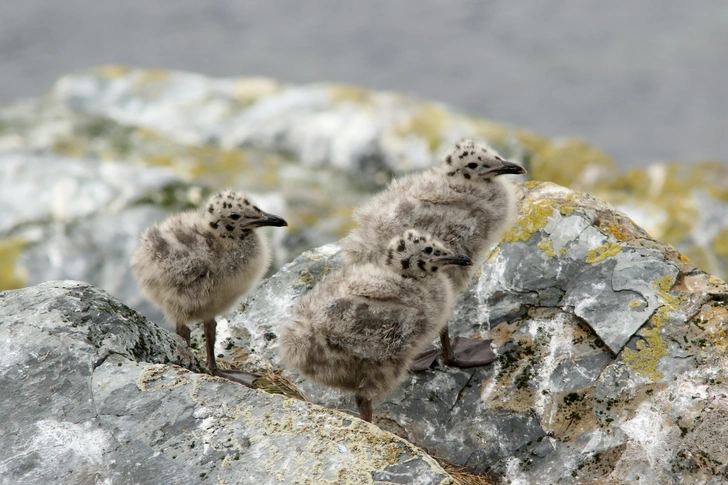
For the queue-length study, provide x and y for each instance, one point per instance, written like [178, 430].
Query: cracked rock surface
[94, 393]
[612, 354]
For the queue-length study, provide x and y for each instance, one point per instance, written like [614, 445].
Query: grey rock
[94, 393]
[611, 351]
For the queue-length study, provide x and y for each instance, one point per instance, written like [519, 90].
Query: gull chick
[360, 327]
[461, 201]
[197, 264]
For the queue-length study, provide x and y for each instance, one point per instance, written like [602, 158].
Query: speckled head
[232, 214]
[475, 161]
[416, 254]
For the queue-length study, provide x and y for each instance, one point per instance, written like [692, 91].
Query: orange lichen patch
[684, 258]
[602, 252]
[615, 230]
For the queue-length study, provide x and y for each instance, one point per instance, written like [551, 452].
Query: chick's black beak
[457, 259]
[507, 168]
[267, 219]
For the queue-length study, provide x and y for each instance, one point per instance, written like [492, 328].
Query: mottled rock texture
[94, 393]
[612, 354]
[86, 168]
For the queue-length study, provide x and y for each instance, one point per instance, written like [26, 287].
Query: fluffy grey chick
[360, 328]
[461, 201]
[197, 264]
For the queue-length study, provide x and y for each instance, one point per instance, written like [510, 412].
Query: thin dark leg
[210, 336]
[365, 408]
[241, 377]
[465, 352]
[447, 356]
[184, 332]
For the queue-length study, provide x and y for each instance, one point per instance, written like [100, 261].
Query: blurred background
[645, 81]
[312, 107]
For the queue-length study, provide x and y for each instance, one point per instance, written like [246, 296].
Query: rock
[94, 393]
[612, 354]
[115, 148]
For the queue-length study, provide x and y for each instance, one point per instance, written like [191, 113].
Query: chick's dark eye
[472, 165]
[235, 217]
[428, 250]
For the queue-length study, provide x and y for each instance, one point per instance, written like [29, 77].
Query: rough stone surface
[94, 393]
[112, 149]
[612, 354]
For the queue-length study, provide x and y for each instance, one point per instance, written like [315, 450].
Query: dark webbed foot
[424, 360]
[465, 352]
[239, 376]
[469, 352]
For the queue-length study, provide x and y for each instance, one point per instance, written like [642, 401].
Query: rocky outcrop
[612, 354]
[94, 393]
[108, 151]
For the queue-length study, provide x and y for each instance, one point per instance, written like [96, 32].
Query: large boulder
[94, 393]
[612, 354]
[109, 150]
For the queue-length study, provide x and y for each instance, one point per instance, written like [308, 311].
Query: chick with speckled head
[361, 326]
[462, 201]
[197, 264]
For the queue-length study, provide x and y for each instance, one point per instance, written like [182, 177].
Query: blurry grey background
[644, 80]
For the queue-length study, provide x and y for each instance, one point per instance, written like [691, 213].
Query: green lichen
[12, 276]
[602, 252]
[535, 218]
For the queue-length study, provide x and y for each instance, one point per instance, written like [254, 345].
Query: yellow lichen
[11, 275]
[493, 255]
[250, 89]
[720, 243]
[112, 71]
[561, 162]
[663, 286]
[715, 281]
[547, 246]
[602, 252]
[684, 258]
[536, 217]
[649, 351]
[429, 122]
[562, 251]
[635, 303]
[346, 92]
